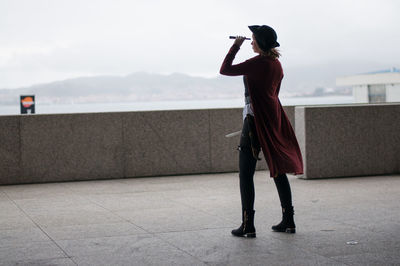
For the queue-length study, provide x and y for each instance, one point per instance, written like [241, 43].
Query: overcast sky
[47, 40]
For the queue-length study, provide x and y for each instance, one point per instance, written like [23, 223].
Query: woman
[265, 125]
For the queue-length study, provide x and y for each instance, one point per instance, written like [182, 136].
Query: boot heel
[251, 235]
[247, 228]
[290, 230]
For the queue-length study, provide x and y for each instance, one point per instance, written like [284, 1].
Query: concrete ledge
[66, 147]
[349, 140]
[336, 141]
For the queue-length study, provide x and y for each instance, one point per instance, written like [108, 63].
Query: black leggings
[247, 166]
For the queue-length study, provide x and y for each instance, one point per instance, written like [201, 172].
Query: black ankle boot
[247, 228]
[287, 224]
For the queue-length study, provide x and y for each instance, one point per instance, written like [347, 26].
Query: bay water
[166, 105]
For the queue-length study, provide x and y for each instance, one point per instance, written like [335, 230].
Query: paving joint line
[41, 229]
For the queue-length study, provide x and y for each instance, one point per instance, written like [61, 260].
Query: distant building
[374, 87]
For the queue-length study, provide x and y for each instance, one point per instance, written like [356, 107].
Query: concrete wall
[62, 147]
[336, 141]
[349, 140]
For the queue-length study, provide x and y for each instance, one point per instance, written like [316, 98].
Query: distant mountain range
[134, 87]
[141, 86]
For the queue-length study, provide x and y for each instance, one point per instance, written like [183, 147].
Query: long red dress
[275, 133]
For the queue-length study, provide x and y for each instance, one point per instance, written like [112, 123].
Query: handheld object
[234, 37]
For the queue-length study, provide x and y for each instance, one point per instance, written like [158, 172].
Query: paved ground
[186, 220]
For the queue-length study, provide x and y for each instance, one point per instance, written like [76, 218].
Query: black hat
[265, 37]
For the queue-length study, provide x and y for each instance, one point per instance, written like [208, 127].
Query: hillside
[142, 86]
[134, 87]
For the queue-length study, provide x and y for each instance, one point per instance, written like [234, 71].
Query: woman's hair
[273, 53]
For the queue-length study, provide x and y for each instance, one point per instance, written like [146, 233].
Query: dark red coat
[277, 138]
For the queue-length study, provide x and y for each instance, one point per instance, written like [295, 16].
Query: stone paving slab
[186, 220]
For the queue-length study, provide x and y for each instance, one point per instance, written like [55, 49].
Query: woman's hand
[239, 40]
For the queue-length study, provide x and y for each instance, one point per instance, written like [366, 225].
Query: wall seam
[209, 142]
[20, 162]
[124, 152]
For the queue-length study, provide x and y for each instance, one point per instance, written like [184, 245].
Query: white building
[381, 86]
